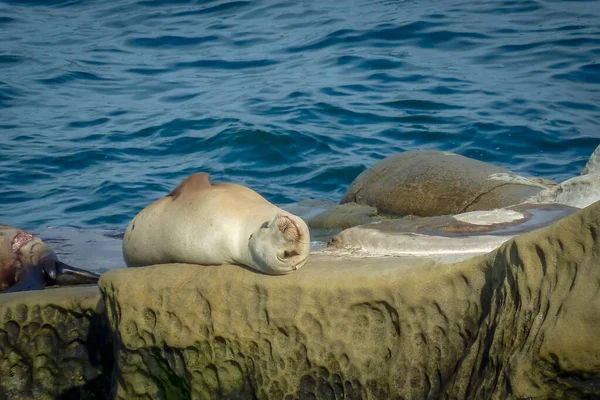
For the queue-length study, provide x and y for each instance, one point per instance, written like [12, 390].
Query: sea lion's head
[24, 255]
[280, 245]
[28, 263]
[34, 251]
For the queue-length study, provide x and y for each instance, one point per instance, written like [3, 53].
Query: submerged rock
[520, 322]
[430, 183]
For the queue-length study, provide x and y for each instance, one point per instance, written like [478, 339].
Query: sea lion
[216, 223]
[27, 263]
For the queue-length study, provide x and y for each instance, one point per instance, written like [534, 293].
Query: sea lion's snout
[69, 275]
[288, 227]
[48, 263]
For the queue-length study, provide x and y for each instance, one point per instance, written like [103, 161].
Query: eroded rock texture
[540, 316]
[342, 329]
[54, 344]
[520, 322]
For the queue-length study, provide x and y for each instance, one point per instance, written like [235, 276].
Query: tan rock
[519, 322]
[541, 315]
[430, 183]
[54, 343]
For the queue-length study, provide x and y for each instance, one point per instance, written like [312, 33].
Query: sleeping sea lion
[216, 223]
[27, 263]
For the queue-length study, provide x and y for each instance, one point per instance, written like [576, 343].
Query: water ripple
[86, 124]
[6, 20]
[225, 7]
[71, 76]
[223, 64]
[107, 105]
[589, 73]
[420, 105]
[9, 59]
[173, 42]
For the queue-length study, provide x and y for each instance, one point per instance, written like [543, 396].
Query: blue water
[105, 105]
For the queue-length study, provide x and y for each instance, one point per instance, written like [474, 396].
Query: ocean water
[105, 105]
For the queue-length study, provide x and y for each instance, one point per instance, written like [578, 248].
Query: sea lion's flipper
[198, 181]
[28, 279]
[67, 275]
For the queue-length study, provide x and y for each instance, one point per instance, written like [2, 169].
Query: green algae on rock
[54, 344]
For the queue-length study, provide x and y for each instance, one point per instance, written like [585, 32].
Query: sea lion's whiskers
[300, 235]
[285, 224]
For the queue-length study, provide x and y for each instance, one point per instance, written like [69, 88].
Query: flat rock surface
[447, 238]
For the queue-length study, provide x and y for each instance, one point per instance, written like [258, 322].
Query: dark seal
[27, 263]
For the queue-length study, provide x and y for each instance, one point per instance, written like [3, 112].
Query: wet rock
[430, 183]
[344, 216]
[449, 237]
